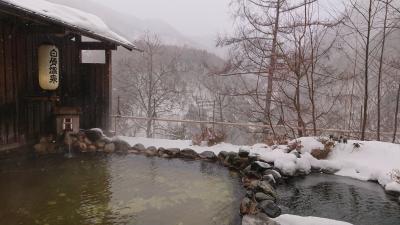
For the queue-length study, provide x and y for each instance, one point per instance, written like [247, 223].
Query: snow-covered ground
[298, 220]
[373, 161]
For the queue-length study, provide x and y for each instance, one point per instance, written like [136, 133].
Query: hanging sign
[49, 66]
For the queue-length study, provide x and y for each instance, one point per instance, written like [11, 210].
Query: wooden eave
[108, 43]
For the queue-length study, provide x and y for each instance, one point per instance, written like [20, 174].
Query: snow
[98, 130]
[373, 161]
[309, 143]
[393, 187]
[70, 16]
[298, 220]
[286, 164]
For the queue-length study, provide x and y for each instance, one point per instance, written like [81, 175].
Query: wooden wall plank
[2, 86]
[8, 64]
[67, 68]
[16, 64]
[2, 65]
[107, 90]
[10, 98]
[77, 61]
[99, 96]
[84, 85]
[29, 85]
[93, 101]
[22, 74]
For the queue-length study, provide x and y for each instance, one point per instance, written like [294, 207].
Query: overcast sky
[194, 17]
[191, 17]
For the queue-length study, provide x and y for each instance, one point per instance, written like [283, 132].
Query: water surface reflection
[132, 190]
[340, 198]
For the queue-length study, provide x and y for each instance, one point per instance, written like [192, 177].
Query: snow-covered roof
[76, 20]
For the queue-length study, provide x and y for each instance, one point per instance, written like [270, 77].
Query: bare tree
[284, 67]
[303, 50]
[366, 66]
[150, 82]
[262, 24]
[380, 69]
[396, 114]
[355, 13]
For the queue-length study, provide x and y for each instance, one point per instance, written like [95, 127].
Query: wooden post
[154, 116]
[213, 116]
[119, 106]
[115, 125]
[116, 118]
[361, 121]
[78, 39]
[396, 114]
[107, 91]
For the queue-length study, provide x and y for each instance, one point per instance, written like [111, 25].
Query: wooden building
[26, 109]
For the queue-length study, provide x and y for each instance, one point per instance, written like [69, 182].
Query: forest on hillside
[291, 66]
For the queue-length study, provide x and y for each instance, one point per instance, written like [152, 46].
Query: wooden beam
[7, 10]
[97, 46]
[78, 39]
[42, 98]
[57, 30]
[16, 146]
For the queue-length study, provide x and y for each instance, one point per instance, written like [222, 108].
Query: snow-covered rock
[94, 134]
[208, 155]
[270, 208]
[393, 187]
[258, 220]
[310, 143]
[372, 161]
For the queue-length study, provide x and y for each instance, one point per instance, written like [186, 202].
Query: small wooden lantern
[67, 119]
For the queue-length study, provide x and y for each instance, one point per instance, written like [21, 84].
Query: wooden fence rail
[241, 124]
